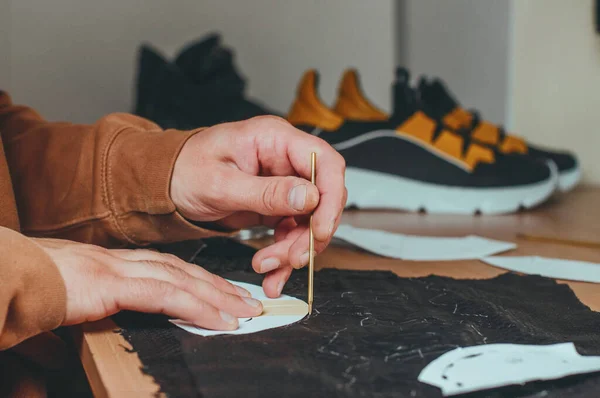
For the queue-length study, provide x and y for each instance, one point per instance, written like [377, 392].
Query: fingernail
[304, 259]
[297, 197]
[242, 292]
[227, 317]
[280, 287]
[269, 264]
[252, 302]
[331, 227]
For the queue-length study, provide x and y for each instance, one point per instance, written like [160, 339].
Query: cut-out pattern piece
[421, 248]
[549, 267]
[278, 312]
[484, 367]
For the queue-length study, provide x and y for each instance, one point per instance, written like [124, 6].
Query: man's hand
[102, 282]
[257, 172]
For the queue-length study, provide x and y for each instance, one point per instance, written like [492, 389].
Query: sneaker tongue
[436, 94]
[206, 63]
[200, 58]
[405, 97]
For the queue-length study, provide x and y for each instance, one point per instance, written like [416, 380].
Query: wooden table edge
[91, 339]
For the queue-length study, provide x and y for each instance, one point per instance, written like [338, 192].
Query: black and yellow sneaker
[201, 87]
[410, 162]
[444, 106]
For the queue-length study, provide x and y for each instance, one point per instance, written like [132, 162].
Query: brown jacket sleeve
[106, 183]
[32, 292]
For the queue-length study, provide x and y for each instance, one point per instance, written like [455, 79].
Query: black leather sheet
[370, 334]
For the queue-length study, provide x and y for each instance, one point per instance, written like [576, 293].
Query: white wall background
[532, 64]
[556, 86]
[4, 44]
[75, 60]
[466, 42]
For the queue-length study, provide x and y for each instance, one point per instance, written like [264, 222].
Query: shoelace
[476, 121]
[470, 119]
[410, 99]
[465, 134]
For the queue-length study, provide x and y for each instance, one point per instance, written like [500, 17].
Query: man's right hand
[102, 282]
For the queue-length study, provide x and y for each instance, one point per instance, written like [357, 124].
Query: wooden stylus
[311, 240]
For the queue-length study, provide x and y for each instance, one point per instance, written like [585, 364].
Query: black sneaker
[445, 107]
[201, 88]
[410, 162]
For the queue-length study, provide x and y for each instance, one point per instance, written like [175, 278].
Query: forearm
[106, 183]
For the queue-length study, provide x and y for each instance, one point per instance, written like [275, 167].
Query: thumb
[270, 196]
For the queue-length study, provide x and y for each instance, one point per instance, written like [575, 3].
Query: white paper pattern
[489, 366]
[249, 325]
[423, 248]
[549, 267]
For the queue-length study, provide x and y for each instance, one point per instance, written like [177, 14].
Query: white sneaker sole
[375, 190]
[567, 180]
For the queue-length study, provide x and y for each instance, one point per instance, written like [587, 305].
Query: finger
[292, 245]
[275, 281]
[154, 296]
[272, 257]
[330, 176]
[331, 205]
[336, 223]
[192, 269]
[284, 228]
[203, 290]
[296, 242]
[269, 196]
[276, 255]
[299, 250]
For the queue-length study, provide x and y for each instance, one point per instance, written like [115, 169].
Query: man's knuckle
[268, 120]
[212, 279]
[268, 197]
[341, 160]
[218, 281]
[222, 299]
[266, 125]
[324, 145]
[146, 252]
[203, 308]
[177, 273]
[163, 289]
[169, 258]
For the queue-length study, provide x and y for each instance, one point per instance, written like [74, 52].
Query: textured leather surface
[370, 334]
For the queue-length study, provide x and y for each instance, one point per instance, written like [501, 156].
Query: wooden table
[113, 372]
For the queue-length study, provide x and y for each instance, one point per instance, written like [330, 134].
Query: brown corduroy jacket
[106, 184]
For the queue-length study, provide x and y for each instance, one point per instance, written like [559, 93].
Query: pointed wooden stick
[311, 242]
